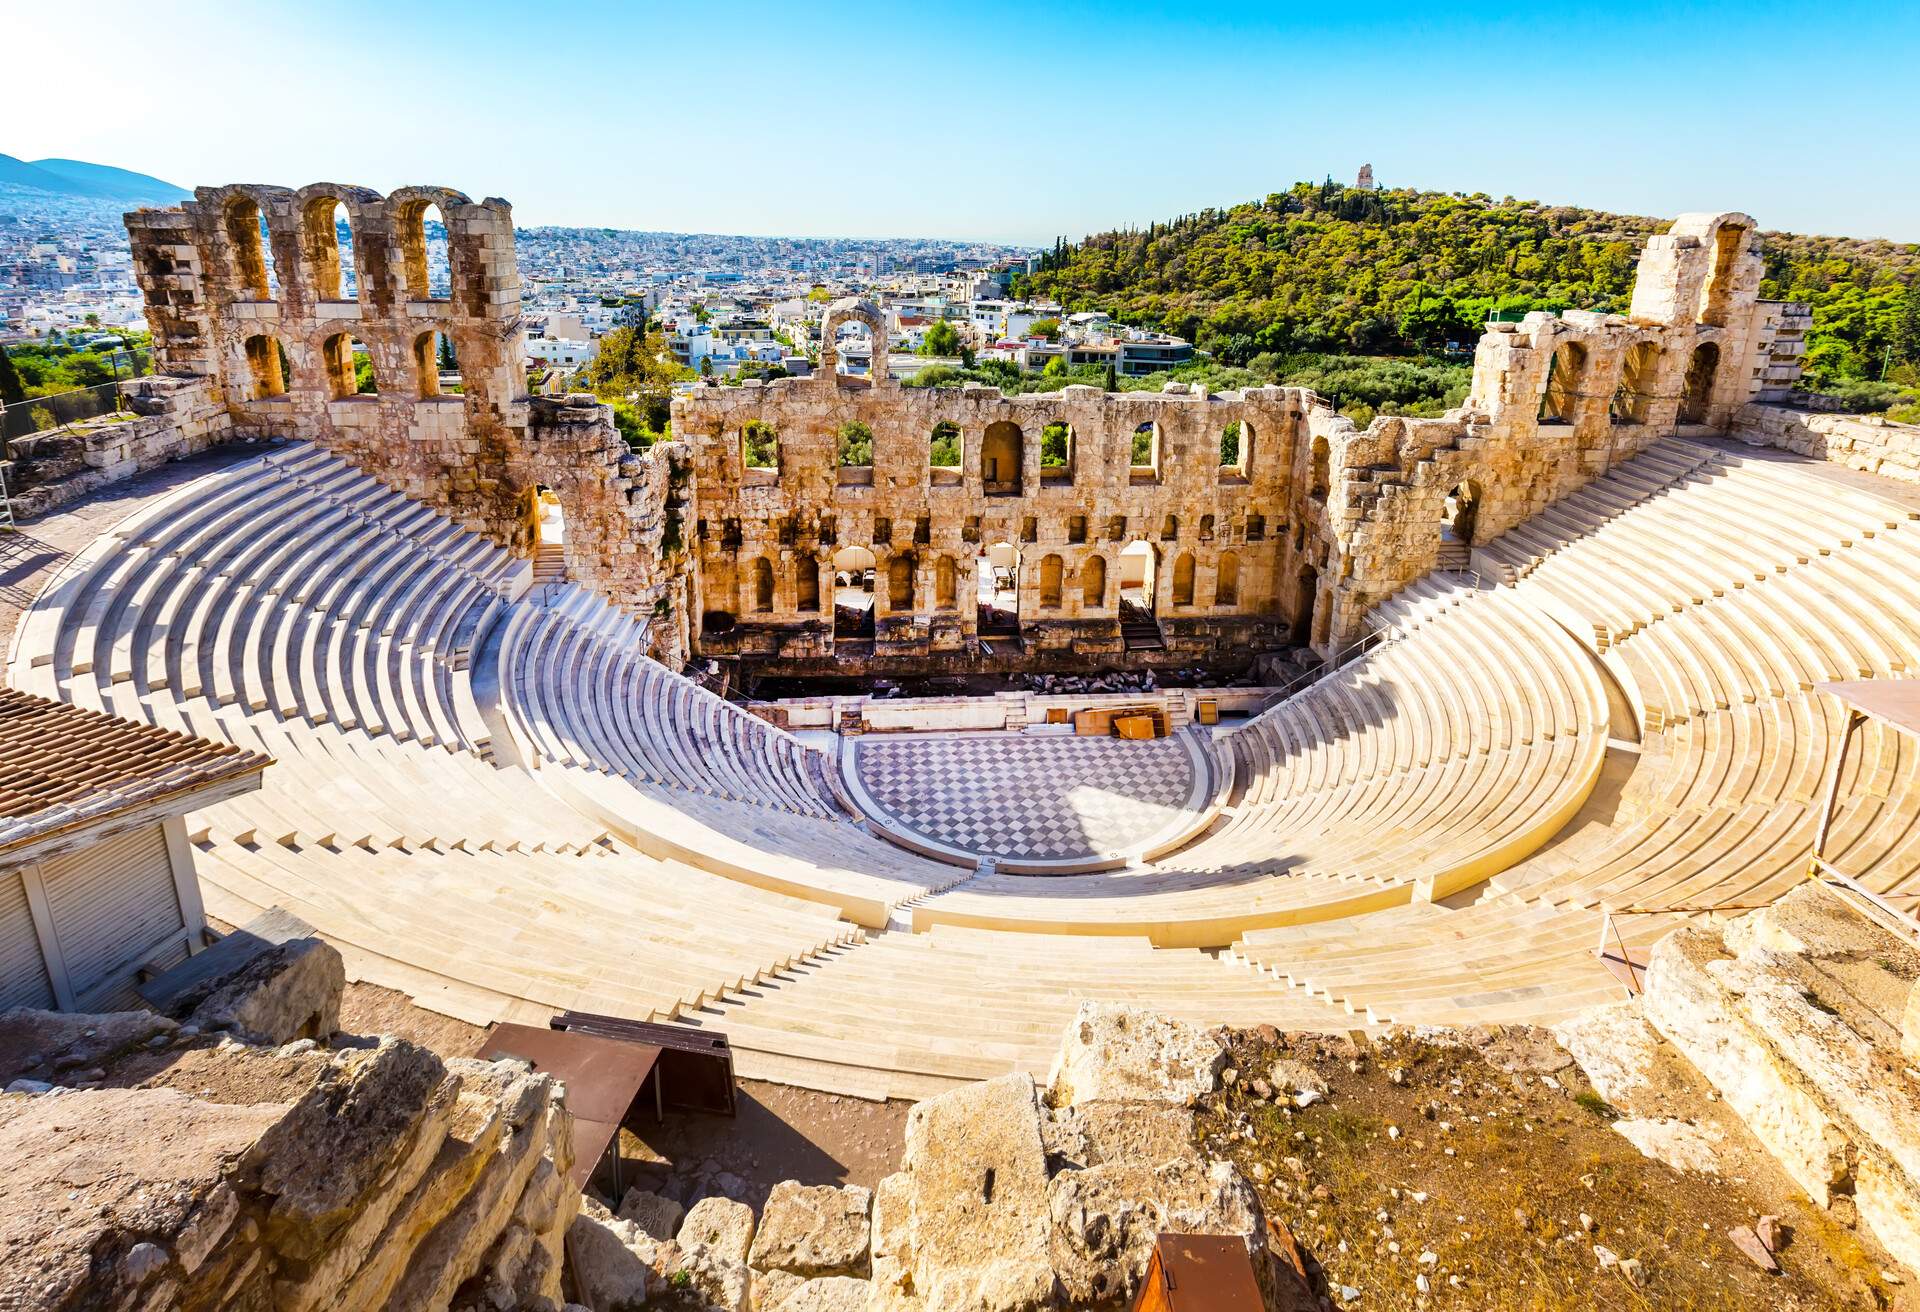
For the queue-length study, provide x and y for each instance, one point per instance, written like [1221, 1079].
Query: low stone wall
[1006, 710]
[166, 419]
[1864, 442]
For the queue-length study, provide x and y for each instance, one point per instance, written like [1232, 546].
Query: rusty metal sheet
[1895, 701]
[1207, 1273]
[603, 1078]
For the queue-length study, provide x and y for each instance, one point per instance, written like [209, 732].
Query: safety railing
[45, 414]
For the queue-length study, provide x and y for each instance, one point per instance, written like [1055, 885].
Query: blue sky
[1007, 122]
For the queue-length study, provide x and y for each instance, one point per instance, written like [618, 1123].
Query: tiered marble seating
[1424, 767]
[677, 771]
[1766, 586]
[583, 690]
[907, 1015]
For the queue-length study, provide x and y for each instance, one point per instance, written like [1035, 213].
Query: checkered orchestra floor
[1033, 798]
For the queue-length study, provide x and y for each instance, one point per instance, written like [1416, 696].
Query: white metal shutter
[23, 969]
[111, 904]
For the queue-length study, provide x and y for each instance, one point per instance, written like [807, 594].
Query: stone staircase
[549, 564]
[1142, 634]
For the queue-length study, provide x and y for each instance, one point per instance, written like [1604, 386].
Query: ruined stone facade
[1291, 540]
[247, 298]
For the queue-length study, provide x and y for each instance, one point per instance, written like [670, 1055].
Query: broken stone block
[829, 1294]
[291, 991]
[813, 1230]
[721, 1224]
[606, 1272]
[978, 1198]
[1117, 1052]
[1684, 1147]
[1104, 1220]
[657, 1217]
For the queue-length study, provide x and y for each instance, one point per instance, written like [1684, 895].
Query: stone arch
[1183, 571]
[946, 584]
[1236, 449]
[1696, 402]
[806, 585]
[761, 573]
[337, 362]
[1461, 512]
[426, 275]
[1093, 582]
[997, 588]
[1633, 398]
[849, 310]
[1052, 575]
[266, 366]
[1206, 528]
[1139, 577]
[254, 275]
[853, 569]
[1306, 595]
[1226, 580]
[333, 260]
[900, 572]
[1727, 241]
[1002, 452]
[1057, 443]
[1170, 528]
[1566, 373]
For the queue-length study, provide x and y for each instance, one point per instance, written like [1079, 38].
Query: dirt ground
[1493, 1173]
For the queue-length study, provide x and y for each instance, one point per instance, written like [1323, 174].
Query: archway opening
[1139, 582]
[853, 593]
[1093, 583]
[1321, 474]
[853, 453]
[1144, 463]
[857, 350]
[1306, 592]
[1000, 459]
[1701, 368]
[945, 454]
[326, 231]
[1226, 580]
[551, 521]
[760, 446]
[1053, 571]
[1460, 514]
[437, 364]
[253, 273]
[1183, 572]
[1718, 291]
[900, 581]
[1565, 373]
[806, 585]
[1633, 399]
[762, 575]
[267, 365]
[1056, 453]
[997, 573]
[946, 584]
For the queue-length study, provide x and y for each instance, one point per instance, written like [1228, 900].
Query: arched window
[1001, 452]
[267, 363]
[1226, 580]
[1633, 399]
[946, 584]
[759, 445]
[437, 364]
[326, 235]
[1321, 478]
[1170, 529]
[1236, 445]
[1565, 374]
[1206, 528]
[1093, 582]
[1051, 570]
[1056, 453]
[1701, 368]
[762, 584]
[900, 582]
[425, 254]
[253, 276]
[943, 447]
[349, 367]
[1144, 463]
[806, 585]
[1183, 579]
[1718, 290]
[1461, 513]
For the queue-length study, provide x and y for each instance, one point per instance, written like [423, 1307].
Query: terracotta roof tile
[62, 766]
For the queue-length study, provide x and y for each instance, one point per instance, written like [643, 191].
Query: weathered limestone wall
[165, 419]
[1865, 442]
[1069, 525]
[263, 326]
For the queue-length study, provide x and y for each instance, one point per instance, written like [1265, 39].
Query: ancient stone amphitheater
[502, 798]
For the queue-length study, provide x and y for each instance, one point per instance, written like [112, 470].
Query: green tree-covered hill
[1326, 268]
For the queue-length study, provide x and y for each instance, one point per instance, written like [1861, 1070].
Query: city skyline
[990, 123]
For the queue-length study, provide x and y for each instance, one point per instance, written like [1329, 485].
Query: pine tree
[12, 390]
[1906, 333]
